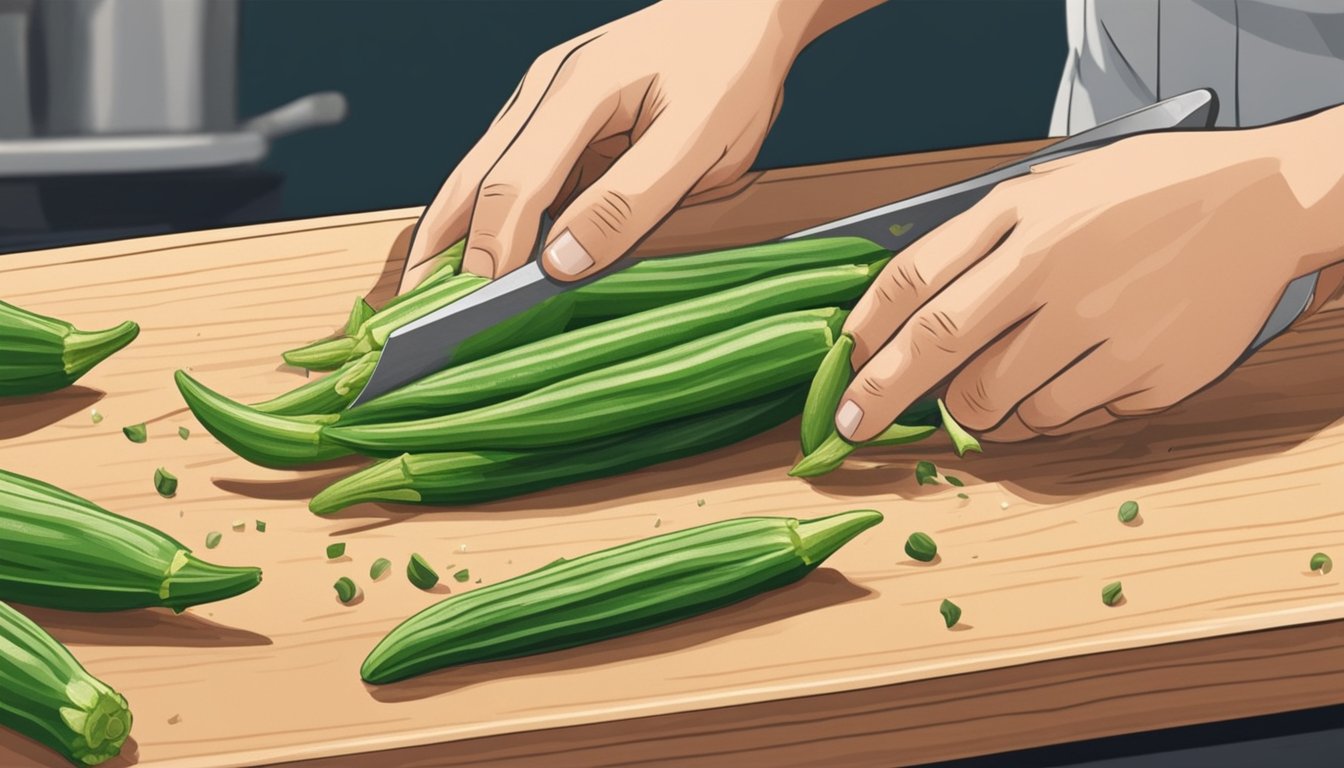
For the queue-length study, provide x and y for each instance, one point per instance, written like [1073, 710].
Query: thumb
[637, 192]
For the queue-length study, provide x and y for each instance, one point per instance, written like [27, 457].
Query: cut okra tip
[165, 483]
[920, 546]
[346, 591]
[420, 573]
[1128, 512]
[1112, 594]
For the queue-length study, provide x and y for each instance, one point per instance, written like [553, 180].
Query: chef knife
[426, 345]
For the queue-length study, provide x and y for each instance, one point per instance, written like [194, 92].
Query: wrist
[1312, 165]
[806, 20]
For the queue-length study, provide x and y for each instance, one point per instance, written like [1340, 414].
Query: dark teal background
[424, 78]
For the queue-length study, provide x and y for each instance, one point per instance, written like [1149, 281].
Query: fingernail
[567, 256]
[848, 417]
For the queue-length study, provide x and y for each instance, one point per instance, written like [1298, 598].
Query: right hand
[611, 130]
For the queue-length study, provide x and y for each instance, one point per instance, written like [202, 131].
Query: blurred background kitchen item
[120, 118]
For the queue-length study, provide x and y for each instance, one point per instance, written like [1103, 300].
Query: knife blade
[426, 345]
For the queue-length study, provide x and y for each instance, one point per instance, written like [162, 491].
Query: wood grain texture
[1238, 487]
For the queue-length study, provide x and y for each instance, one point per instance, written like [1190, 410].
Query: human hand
[616, 127]
[1111, 283]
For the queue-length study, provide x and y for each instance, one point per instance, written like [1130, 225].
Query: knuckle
[496, 193]
[975, 404]
[903, 280]
[610, 213]
[487, 244]
[934, 330]
[872, 385]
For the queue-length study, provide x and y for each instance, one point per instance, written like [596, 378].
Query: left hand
[1113, 283]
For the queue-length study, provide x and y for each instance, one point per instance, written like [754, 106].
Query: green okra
[379, 567]
[1129, 512]
[40, 354]
[360, 313]
[1111, 593]
[333, 393]
[420, 573]
[266, 439]
[962, 441]
[715, 371]
[652, 283]
[480, 476]
[165, 483]
[50, 698]
[345, 589]
[920, 546]
[322, 355]
[58, 550]
[523, 369]
[326, 394]
[823, 397]
[917, 423]
[446, 264]
[613, 592]
[926, 473]
[951, 613]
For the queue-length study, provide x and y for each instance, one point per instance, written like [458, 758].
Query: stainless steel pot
[15, 112]
[138, 66]
[130, 86]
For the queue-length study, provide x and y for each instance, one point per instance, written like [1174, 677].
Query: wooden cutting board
[1238, 487]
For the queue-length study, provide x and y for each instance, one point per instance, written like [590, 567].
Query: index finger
[974, 310]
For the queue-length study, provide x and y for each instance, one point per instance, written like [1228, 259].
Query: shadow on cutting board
[141, 627]
[820, 589]
[22, 415]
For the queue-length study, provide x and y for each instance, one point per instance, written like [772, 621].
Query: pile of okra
[668, 358]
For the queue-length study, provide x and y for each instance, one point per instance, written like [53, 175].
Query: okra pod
[824, 395]
[917, 423]
[58, 550]
[525, 368]
[324, 355]
[40, 354]
[373, 334]
[715, 371]
[446, 264]
[334, 392]
[476, 477]
[652, 283]
[613, 592]
[328, 394]
[50, 698]
[265, 439]
[359, 314]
